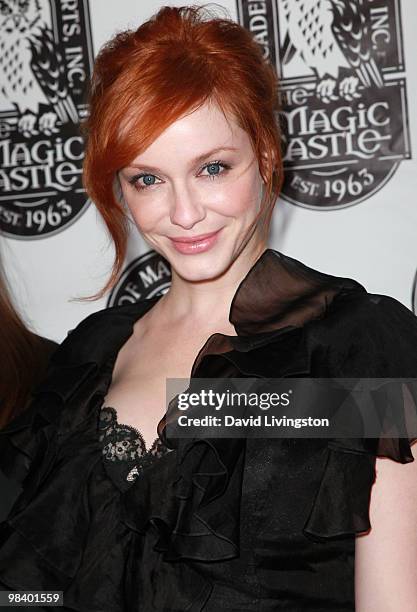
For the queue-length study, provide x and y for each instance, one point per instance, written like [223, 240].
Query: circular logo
[45, 64]
[145, 277]
[343, 95]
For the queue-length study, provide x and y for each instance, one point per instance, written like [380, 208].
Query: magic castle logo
[343, 94]
[46, 59]
[143, 278]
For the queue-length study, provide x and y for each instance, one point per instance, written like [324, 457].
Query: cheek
[143, 220]
[241, 197]
[146, 213]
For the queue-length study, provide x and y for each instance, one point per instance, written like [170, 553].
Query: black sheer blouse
[208, 524]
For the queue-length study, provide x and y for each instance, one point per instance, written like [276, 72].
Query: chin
[202, 266]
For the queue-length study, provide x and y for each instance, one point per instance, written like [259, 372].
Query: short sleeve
[376, 338]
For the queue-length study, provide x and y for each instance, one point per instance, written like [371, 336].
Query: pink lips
[196, 244]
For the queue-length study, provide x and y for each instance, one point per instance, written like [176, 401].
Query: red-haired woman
[183, 137]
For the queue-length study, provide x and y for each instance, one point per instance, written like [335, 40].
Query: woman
[182, 135]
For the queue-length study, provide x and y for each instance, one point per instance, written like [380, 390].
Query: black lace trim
[124, 449]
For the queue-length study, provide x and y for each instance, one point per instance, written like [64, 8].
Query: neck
[206, 304]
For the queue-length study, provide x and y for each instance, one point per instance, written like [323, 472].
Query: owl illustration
[32, 73]
[333, 38]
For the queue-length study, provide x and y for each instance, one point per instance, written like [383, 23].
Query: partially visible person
[24, 357]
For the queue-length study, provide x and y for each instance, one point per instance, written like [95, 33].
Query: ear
[265, 158]
[267, 155]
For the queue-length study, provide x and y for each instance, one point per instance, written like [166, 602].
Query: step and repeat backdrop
[349, 97]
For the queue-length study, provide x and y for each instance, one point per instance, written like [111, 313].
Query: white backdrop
[373, 241]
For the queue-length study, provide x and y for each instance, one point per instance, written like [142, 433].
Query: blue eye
[149, 179]
[149, 176]
[213, 169]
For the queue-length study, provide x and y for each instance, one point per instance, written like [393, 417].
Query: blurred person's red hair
[144, 80]
[25, 356]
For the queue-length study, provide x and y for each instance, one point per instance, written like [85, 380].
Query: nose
[185, 209]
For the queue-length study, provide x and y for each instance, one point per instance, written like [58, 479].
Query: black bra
[124, 449]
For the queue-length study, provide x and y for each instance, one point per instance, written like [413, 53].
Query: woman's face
[199, 177]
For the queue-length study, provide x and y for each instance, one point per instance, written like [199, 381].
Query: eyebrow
[196, 160]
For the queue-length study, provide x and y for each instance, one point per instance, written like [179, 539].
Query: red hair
[146, 79]
[25, 356]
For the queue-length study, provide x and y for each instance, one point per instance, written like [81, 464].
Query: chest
[138, 389]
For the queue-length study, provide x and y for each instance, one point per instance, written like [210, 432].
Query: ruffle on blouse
[70, 536]
[341, 504]
[79, 370]
[60, 531]
[26, 439]
[198, 516]
[73, 530]
[46, 536]
[64, 530]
